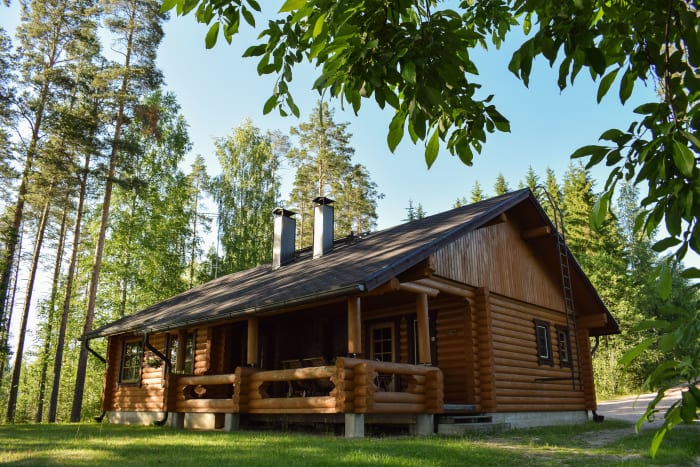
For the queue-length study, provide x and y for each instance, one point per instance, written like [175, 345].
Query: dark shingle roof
[360, 265]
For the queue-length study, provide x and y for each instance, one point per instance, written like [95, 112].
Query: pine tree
[246, 193]
[323, 163]
[145, 255]
[199, 182]
[48, 33]
[501, 186]
[136, 27]
[356, 202]
[477, 194]
[410, 212]
[7, 172]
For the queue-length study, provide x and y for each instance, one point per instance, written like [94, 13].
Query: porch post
[423, 329]
[252, 351]
[354, 326]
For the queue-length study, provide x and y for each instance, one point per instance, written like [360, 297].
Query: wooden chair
[295, 388]
[321, 386]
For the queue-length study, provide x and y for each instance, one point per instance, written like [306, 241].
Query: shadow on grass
[91, 444]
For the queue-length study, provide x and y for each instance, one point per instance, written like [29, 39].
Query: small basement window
[132, 357]
[544, 343]
[564, 343]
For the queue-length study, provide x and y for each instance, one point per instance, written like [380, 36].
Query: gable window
[544, 343]
[173, 344]
[132, 356]
[564, 343]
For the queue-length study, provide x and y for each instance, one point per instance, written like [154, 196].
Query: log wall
[520, 383]
[147, 395]
[497, 258]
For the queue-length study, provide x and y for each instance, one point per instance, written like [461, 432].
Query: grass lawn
[608, 443]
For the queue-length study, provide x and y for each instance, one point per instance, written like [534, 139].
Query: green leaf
[269, 104]
[665, 280]
[212, 35]
[627, 85]
[605, 84]
[691, 273]
[318, 27]
[600, 211]
[408, 72]
[167, 5]
[689, 407]
[683, 158]
[668, 242]
[431, 150]
[635, 351]
[690, 137]
[587, 151]
[291, 5]
[396, 128]
[596, 59]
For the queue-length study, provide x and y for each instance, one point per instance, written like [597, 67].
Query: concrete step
[464, 428]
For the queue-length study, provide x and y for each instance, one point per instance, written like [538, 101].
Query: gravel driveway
[632, 407]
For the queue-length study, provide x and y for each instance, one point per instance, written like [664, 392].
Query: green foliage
[246, 193]
[323, 162]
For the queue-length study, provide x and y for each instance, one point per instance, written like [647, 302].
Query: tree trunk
[60, 341]
[104, 219]
[17, 368]
[50, 319]
[9, 306]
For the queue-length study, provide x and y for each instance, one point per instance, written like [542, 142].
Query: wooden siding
[149, 393]
[521, 383]
[456, 353]
[497, 258]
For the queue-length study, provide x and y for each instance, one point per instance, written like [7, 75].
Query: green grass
[609, 443]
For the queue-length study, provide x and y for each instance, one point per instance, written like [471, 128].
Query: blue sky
[218, 90]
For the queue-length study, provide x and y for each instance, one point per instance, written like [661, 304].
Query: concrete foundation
[232, 422]
[425, 425]
[533, 419]
[354, 425]
[135, 418]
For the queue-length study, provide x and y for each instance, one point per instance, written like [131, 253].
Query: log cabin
[479, 314]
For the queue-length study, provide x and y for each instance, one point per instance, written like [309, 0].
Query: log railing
[350, 386]
[191, 392]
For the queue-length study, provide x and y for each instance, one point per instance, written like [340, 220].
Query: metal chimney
[283, 246]
[323, 226]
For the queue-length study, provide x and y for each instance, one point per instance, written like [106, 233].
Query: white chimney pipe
[283, 247]
[323, 226]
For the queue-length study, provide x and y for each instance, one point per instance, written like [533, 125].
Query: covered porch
[289, 365]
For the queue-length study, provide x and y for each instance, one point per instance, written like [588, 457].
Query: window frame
[136, 380]
[371, 341]
[564, 346]
[543, 341]
[189, 355]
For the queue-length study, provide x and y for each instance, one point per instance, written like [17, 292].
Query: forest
[100, 205]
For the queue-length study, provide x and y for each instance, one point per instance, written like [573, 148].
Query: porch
[351, 387]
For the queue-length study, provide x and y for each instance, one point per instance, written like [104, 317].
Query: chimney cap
[321, 200]
[283, 212]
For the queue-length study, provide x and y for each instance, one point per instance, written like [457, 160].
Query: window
[130, 371]
[382, 342]
[564, 345]
[173, 343]
[544, 343]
